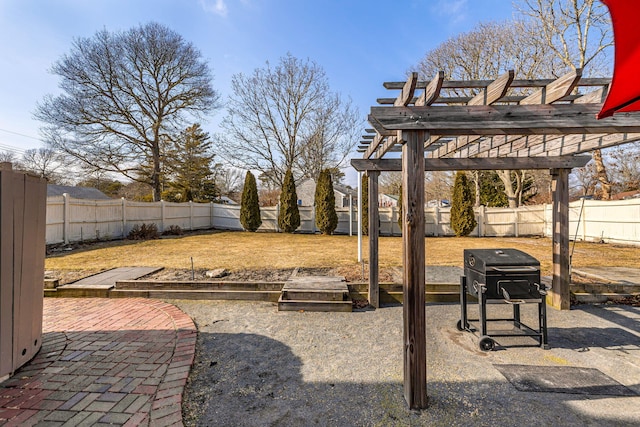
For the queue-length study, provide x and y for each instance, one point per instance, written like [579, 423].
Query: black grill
[497, 276]
[506, 273]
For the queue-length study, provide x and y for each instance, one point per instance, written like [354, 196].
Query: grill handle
[523, 269]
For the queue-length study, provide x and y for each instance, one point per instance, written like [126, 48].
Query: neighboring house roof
[344, 190]
[226, 200]
[391, 196]
[76, 192]
[626, 195]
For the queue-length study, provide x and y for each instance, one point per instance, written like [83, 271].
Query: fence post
[65, 225]
[350, 215]
[359, 217]
[584, 221]
[162, 216]
[516, 222]
[124, 217]
[277, 217]
[191, 215]
[436, 221]
[210, 214]
[482, 221]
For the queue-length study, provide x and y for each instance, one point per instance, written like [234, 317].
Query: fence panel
[609, 221]
[74, 220]
[55, 219]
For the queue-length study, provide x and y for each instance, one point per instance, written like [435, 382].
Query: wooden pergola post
[413, 251]
[560, 295]
[374, 221]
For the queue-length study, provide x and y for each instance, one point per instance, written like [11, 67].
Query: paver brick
[124, 403]
[104, 362]
[136, 405]
[82, 404]
[165, 411]
[137, 420]
[84, 419]
[172, 419]
[60, 415]
[100, 406]
[115, 418]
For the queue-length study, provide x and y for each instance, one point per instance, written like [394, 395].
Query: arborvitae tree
[365, 204]
[250, 206]
[463, 219]
[325, 201]
[289, 216]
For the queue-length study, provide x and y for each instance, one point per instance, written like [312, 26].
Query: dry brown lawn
[237, 251]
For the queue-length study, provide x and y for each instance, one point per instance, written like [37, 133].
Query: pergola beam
[496, 90]
[503, 119]
[431, 92]
[555, 90]
[476, 163]
[509, 145]
[519, 83]
[490, 95]
[573, 144]
[406, 96]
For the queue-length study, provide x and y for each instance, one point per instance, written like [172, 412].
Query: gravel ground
[256, 366]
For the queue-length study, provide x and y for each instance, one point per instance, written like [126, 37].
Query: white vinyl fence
[74, 220]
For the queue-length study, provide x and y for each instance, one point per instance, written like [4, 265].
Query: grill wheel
[486, 343]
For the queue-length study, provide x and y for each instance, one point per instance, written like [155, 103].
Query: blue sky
[360, 44]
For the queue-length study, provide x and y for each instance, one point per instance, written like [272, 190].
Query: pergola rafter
[498, 124]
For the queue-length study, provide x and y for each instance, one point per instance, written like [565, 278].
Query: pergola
[505, 124]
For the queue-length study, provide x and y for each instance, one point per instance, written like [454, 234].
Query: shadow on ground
[246, 379]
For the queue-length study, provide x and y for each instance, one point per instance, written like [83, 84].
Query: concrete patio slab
[107, 279]
[620, 275]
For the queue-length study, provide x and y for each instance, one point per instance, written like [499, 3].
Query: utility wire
[20, 134]
[5, 147]
[13, 149]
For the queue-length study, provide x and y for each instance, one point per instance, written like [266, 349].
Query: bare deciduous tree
[390, 183]
[229, 181]
[585, 179]
[626, 167]
[577, 32]
[439, 185]
[489, 50]
[43, 162]
[123, 95]
[9, 157]
[286, 117]
[486, 52]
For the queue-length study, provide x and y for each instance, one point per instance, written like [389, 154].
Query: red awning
[624, 93]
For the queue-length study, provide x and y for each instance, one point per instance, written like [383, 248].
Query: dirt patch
[351, 274]
[200, 275]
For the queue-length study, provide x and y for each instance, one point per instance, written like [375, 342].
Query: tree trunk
[512, 196]
[155, 176]
[601, 173]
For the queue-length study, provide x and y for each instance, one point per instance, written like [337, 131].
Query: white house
[306, 191]
[387, 200]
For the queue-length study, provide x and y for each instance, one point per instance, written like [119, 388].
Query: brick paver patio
[104, 362]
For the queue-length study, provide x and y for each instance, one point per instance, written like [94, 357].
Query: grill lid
[480, 259]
